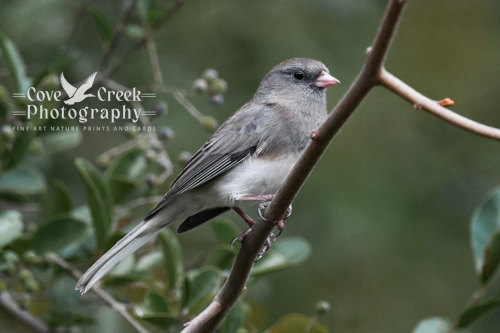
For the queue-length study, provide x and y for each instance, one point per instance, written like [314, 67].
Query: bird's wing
[237, 139]
[87, 84]
[68, 88]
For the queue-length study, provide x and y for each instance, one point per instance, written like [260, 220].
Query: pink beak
[325, 80]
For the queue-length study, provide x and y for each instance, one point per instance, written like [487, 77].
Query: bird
[247, 159]
[77, 95]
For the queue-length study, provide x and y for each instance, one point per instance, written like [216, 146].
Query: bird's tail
[126, 246]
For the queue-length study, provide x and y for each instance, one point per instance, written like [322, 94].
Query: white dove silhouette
[77, 95]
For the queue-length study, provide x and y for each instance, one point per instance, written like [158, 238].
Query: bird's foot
[267, 246]
[280, 223]
[242, 236]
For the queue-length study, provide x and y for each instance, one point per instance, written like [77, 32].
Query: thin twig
[179, 97]
[117, 306]
[169, 13]
[128, 10]
[211, 317]
[421, 102]
[80, 12]
[125, 146]
[161, 88]
[155, 63]
[9, 306]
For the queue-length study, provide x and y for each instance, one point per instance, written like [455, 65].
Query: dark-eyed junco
[247, 158]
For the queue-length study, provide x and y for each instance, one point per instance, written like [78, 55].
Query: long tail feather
[126, 246]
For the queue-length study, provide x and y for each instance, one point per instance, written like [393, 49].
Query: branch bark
[9, 306]
[394, 84]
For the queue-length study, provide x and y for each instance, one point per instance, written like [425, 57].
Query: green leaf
[283, 254]
[486, 236]
[59, 234]
[155, 311]
[233, 320]
[221, 256]
[102, 23]
[153, 303]
[63, 296]
[24, 180]
[20, 149]
[60, 141]
[297, 323]
[172, 251]
[11, 227]
[477, 311]
[98, 199]
[55, 67]
[125, 267]
[120, 187]
[149, 261]
[148, 14]
[135, 31]
[225, 230]
[15, 64]
[206, 282]
[58, 200]
[126, 173]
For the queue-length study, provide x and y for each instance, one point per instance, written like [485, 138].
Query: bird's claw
[266, 247]
[241, 237]
[281, 223]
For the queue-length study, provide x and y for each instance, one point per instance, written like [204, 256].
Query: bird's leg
[242, 236]
[261, 197]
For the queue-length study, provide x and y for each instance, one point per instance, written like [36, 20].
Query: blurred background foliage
[386, 214]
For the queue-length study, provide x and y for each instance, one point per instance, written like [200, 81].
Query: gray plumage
[250, 154]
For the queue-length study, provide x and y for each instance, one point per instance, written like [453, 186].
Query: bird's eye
[299, 75]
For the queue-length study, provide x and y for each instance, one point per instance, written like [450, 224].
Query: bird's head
[296, 80]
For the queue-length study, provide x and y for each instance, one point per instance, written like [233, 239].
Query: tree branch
[117, 306]
[211, 317]
[169, 13]
[391, 82]
[128, 10]
[9, 306]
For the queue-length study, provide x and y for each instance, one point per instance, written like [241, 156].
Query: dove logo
[44, 104]
[77, 95]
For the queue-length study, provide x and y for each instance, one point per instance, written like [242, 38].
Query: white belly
[254, 177]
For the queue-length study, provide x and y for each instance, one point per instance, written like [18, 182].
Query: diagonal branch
[128, 10]
[169, 13]
[394, 84]
[8, 305]
[211, 317]
[117, 306]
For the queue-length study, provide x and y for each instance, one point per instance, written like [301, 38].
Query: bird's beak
[325, 80]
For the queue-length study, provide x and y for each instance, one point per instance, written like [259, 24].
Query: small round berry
[209, 123]
[200, 86]
[161, 108]
[218, 86]
[210, 74]
[166, 134]
[217, 99]
[322, 308]
[184, 157]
